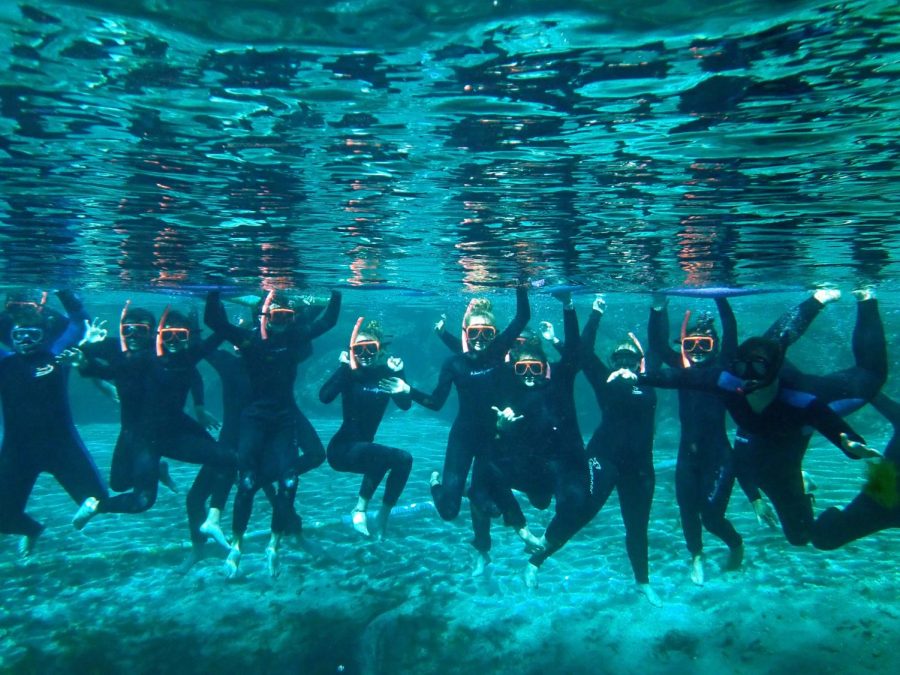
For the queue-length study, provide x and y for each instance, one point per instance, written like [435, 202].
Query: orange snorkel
[685, 361]
[263, 321]
[465, 338]
[121, 321]
[353, 363]
[159, 340]
[640, 349]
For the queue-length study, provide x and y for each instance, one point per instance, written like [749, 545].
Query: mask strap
[685, 361]
[121, 321]
[162, 322]
[264, 315]
[637, 343]
[43, 300]
[353, 362]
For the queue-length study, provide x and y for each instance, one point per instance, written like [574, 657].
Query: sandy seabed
[111, 600]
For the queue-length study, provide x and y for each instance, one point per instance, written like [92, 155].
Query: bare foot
[531, 576]
[360, 522]
[697, 569]
[233, 563]
[480, 561]
[650, 594]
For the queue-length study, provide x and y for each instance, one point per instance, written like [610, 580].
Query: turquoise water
[413, 154]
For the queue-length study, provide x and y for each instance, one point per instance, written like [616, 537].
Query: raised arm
[335, 384]
[729, 330]
[328, 318]
[594, 369]
[507, 338]
[658, 333]
[216, 318]
[75, 329]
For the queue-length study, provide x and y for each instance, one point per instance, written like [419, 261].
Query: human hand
[599, 304]
[393, 385]
[94, 331]
[395, 363]
[764, 513]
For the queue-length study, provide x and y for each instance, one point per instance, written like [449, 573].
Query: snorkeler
[538, 448]
[774, 421]
[620, 452]
[363, 402]
[22, 304]
[704, 475]
[474, 372]
[272, 426]
[877, 506]
[39, 435]
[163, 429]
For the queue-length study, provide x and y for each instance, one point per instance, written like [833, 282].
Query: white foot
[272, 562]
[697, 569]
[360, 522]
[531, 576]
[85, 512]
[480, 561]
[435, 478]
[532, 544]
[166, 479]
[827, 294]
[233, 563]
[650, 594]
[213, 531]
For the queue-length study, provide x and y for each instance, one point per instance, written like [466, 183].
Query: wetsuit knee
[824, 530]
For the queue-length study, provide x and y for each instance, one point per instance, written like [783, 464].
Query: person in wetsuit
[363, 403]
[620, 452]
[538, 448]
[39, 434]
[163, 429]
[272, 426]
[473, 371]
[23, 304]
[774, 420]
[704, 472]
[877, 506]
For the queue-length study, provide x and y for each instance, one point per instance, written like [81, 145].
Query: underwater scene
[482, 336]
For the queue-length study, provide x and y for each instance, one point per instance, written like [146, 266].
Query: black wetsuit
[620, 453]
[864, 515]
[39, 434]
[845, 391]
[129, 372]
[541, 454]
[775, 439]
[473, 429]
[272, 426]
[353, 448]
[704, 469]
[163, 429]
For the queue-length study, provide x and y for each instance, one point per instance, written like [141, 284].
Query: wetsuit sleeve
[436, 399]
[198, 395]
[199, 351]
[452, 343]
[94, 367]
[790, 326]
[571, 348]
[507, 338]
[594, 369]
[831, 425]
[329, 317]
[335, 384]
[658, 338]
[729, 330]
[704, 379]
[216, 318]
[402, 401]
[75, 329]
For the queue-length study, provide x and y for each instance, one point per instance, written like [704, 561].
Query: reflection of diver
[877, 507]
[39, 435]
[272, 426]
[363, 403]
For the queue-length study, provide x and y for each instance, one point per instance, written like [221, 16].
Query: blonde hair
[372, 329]
[479, 307]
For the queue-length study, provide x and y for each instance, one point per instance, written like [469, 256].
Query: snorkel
[354, 364]
[122, 321]
[685, 361]
[159, 338]
[465, 338]
[264, 315]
